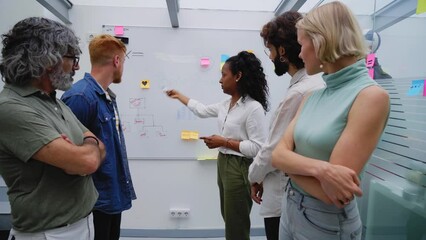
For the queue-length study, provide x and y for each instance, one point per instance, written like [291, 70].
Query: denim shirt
[89, 103]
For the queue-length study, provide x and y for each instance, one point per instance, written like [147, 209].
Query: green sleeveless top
[325, 112]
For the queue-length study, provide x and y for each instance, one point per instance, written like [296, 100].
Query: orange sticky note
[118, 30]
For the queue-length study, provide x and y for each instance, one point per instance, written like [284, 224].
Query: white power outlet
[179, 212]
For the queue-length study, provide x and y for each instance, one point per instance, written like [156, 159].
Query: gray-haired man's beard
[60, 80]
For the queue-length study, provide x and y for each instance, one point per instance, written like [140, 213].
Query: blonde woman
[334, 132]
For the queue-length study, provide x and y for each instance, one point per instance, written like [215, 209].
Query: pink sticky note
[370, 59]
[118, 30]
[371, 72]
[424, 88]
[205, 62]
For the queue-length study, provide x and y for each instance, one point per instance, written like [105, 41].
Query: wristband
[92, 137]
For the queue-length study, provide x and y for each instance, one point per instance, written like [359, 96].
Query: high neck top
[325, 113]
[346, 75]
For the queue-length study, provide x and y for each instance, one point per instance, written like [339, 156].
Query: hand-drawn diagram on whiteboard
[142, 124]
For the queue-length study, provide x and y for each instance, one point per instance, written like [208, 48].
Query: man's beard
[281, 68]
[117, 77]
[60, 80]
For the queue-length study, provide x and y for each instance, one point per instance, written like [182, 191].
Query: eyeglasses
[267, 52]
[76, 59]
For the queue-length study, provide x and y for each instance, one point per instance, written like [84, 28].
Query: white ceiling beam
[393, 13]
[288, 5]
[59, 8]
[173, 7]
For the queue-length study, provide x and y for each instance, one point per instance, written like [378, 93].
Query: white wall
[12, 12]
[403, 48]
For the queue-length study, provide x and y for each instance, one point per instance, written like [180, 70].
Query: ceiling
[359, 7]
[384, 12]
[243, 5]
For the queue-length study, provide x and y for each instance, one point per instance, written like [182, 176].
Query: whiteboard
[171, 58]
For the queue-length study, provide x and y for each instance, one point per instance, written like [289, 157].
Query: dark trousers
[272, 227]
[107, 226]
[235, 199]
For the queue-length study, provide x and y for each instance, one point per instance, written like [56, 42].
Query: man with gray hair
[46, 154]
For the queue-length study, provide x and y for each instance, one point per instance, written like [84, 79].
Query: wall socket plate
[179, 212]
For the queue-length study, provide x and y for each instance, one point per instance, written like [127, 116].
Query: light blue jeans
[306, 218]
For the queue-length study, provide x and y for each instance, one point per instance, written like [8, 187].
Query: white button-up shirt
[261, 169]
[245, 122]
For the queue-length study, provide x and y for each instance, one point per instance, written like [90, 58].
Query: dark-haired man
[280, 39]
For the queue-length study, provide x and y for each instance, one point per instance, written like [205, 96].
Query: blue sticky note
[416, 88]
[223, 58]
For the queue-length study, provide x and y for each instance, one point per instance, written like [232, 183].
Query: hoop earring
[282, 59]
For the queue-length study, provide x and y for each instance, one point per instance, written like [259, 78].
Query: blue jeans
[306, 218]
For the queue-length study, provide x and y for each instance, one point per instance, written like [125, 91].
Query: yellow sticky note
[193, 135]
[421, 6]
[250, 51]
[206, 158]
[184, 135]
[145, 84]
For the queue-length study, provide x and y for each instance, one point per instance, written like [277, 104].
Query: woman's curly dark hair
[253, 81]
[281, 31]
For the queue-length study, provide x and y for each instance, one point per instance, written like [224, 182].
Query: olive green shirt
[41, 196]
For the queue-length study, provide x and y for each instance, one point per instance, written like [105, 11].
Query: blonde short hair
[103, 48]
[334, 31]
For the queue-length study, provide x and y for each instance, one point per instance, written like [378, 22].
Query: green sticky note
[421, 6]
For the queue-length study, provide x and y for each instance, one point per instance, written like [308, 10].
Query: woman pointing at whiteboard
[241, 133]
